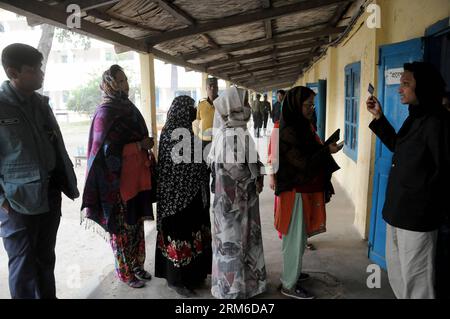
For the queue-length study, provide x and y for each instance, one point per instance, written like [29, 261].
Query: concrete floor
[84, 267]
[338, 266]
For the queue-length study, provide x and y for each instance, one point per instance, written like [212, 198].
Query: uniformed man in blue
[34, 169]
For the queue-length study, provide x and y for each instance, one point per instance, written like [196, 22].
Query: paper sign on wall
[393, 76]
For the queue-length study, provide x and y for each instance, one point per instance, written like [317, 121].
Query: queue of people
[124, 179]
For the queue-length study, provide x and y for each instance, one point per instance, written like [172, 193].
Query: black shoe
[183, 291]
[297, 293]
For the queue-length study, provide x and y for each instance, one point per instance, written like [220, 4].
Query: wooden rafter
[273, 75]
[264, 68]
[266, 63]
[216, 64]
[185, 18]
[272, 83]
[176, 12]
[263, 14]
[263, 43]
[52, 15]
[271, 71]
[266, 4]
[120, 20]
[337, 16]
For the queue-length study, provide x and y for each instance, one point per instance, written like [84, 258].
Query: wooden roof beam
[281, 82]
[274, 66]
[267, 4]
[266, 63]
[176, 12]
[238, 20]
[185, 18]
[274, 86]
[337, 16]
[218, 63]
[120, 20]
[273, 75]
[55, 16]
[263, 43]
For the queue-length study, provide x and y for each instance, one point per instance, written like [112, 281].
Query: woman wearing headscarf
[118, 201]
[303, 184]
[416, 195]
[238, 270]
[183, 248]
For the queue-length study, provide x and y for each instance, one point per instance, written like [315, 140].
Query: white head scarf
[230, 120]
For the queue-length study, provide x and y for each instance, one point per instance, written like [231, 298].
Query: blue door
[320, 88]
[392, 57]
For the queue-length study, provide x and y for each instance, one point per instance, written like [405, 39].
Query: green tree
[49, 32]
[86, 97]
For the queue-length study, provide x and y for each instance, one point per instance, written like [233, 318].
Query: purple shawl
[114, 125]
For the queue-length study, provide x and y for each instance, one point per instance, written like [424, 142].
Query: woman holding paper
[303, 184]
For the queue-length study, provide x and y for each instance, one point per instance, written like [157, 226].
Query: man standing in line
[204, 122]
[203, 125]
[35, 168]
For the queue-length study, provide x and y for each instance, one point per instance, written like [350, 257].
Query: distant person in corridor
[415, 194]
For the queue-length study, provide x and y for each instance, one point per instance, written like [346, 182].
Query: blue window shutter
[352, 98]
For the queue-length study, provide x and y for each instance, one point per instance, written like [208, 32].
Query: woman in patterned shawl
[183, 248]
[118, 124]
[238, 260]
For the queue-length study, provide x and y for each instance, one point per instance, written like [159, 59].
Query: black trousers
[265, 120]
[29, 241]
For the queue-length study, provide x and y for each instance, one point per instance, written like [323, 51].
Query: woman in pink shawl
[118, 128]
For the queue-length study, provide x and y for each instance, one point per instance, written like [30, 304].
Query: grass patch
[75, 128]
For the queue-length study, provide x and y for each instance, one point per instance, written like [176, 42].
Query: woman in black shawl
[183, 248]
[303, 185]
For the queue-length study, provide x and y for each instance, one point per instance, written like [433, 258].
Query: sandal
[136, 283]
[143, 275]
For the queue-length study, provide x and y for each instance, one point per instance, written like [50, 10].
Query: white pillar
[204, 92]
[148, 95]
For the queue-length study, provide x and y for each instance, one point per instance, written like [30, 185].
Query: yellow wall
[407, 19]
[401, 20]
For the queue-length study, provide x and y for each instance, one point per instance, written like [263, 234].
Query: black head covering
[292, 115]
[179, 183]
[430, 87]
[297, 139]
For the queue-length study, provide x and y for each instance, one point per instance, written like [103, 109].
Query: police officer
[34, 169]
